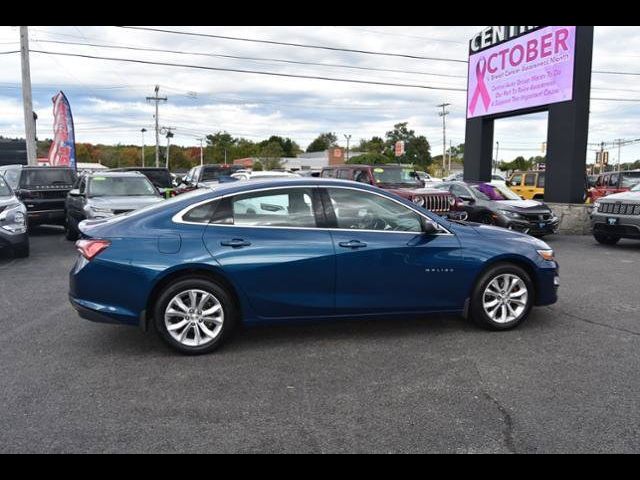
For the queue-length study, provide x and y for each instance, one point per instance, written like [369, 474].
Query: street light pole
[169, 136]
[348, 137]
[142, 131]
[201, 152]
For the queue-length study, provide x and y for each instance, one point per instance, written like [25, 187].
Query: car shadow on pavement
[131, 341]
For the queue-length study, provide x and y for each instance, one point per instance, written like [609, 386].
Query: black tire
[70, 233]
[21, 251]
[229, 310]
[606, 239]
[486, 219]
[477, 311]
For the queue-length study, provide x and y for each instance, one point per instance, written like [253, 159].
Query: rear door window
[541, 180]
[274, 208]
[530, 180]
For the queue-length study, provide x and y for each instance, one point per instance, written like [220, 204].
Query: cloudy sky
[108, 97]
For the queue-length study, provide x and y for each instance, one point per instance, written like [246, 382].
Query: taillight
[90, 248]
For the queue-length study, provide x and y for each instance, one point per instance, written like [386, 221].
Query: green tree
[417, 148]
[373, 145]
[289, 147]
[323, 142]
[220, 144]
[270, 155]
[370, 159]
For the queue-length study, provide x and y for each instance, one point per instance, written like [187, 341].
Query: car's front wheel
[606, 239]
[194, 316]
[70, 233]
[502, 298]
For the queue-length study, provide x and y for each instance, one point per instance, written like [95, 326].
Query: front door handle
[235, 243]
[353, 244]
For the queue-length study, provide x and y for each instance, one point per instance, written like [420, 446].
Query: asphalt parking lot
[566, 381]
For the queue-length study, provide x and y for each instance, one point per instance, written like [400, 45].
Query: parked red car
[401, 180]
[613, 182]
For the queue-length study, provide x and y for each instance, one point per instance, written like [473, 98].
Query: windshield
[629, 179]
[214, 173]
[636, 188]
[120, 187]
[160, 178]
[5, 191]
[486, 191]
[402, 176]
[47, 177]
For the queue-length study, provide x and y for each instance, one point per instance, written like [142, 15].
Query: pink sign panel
[532, 70]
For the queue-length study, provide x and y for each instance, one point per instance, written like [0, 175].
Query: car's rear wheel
[606, 239]
[194, 316]
[502, 298]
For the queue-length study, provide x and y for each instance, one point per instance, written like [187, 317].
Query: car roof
[358, 165]
[134, 174]
[35, 167]
[137, 169]
[238, 187]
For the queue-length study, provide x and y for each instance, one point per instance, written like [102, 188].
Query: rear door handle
[353, 244]
[235, 243]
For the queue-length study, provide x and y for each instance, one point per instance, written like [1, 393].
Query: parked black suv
[43, 190]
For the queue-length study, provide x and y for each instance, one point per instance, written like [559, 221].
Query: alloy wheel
[194, 317]
[505, 298]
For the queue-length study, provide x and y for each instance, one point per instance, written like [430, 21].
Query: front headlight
[510, 214]
[16, 221]
[546, 254]
[99, 212]
[420, 201]
[596, 205]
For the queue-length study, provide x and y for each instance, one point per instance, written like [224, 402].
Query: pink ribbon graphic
[481, 88]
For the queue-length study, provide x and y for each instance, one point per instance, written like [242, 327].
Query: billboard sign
[399, 148]
[531, 70]
[63, 147]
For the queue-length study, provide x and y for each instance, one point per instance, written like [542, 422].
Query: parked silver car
[617, 216]
[104, 195]
[13, 221]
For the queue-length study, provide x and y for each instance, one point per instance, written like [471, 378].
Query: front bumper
[12, 240]
[39, 217]
[624, 227]
[537, 227]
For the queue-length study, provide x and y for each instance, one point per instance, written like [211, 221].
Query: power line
[300, 45]
[258, 59]
[394, 34]
[257, 72]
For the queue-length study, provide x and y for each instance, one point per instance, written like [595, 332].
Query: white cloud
[108, 98]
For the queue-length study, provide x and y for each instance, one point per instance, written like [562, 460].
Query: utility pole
[225, 155]
[157, 100]
[27, 101]
[348, 137]
[601, 157]
[449, 155]
[443, 114]
[619, 141]
[495, 165]
[142, 131]
[201, 152]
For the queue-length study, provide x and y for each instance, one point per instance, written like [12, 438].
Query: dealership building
[307, 161]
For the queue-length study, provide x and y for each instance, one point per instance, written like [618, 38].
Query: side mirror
[75, 193]
[508, 183]
[428, 227]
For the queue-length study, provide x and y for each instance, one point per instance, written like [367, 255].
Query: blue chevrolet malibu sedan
[195, 266]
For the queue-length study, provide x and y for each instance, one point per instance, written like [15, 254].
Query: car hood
[123, 203]
[408, 192]
[633, 196]
[4, 201]
[504, 234]
[523, 205]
